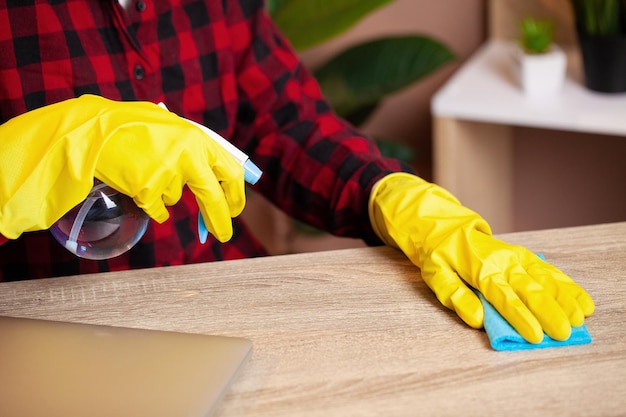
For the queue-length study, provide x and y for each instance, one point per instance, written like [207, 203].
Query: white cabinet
[474, 116]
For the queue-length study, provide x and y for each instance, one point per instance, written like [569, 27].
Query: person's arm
[322, 171]
[316, 167]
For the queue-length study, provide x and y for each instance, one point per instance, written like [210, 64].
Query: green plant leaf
[273, 6]
[600, 17]
[537, 35]
[309, 22]
[362, 75]
[392, 149]
[360, 114]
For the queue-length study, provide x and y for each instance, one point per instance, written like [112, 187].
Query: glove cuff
[377, 218]
[414, 215]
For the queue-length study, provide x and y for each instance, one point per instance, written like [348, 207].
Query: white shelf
[485, 89]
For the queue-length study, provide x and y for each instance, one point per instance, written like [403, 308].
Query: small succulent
[537, 35]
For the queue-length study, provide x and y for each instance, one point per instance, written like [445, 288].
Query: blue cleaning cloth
[503, 337]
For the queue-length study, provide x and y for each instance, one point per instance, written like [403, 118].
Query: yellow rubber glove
[50, 156]
[453, 246]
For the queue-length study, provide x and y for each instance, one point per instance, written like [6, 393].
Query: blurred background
[575, 179]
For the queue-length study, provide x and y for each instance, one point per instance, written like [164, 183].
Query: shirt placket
[136, 27]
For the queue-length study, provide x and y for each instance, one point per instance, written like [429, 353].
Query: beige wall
[568, 179]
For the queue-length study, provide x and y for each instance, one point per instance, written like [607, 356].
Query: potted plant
[541, 63]
[601, 30]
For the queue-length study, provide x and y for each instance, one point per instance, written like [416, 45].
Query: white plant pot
[541, 75]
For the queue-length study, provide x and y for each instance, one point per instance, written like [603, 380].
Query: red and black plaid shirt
[221, 63]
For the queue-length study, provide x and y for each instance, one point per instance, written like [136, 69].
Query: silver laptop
[50, 368]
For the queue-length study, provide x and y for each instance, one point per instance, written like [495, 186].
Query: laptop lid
[50, 368]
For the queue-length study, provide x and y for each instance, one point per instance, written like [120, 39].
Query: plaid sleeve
[317, 167]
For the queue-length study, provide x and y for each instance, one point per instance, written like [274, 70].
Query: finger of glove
[231, 180]
[210, 156]
[571, 308]
[453, 293]
[577, 303]
[231, 177]
[219, 189]
[154, 203]
[155, 209]
[149, 198]
[585, 302]
[555, 284]
[551, 314]
[146, 191]
[214, 209]
[507, 302]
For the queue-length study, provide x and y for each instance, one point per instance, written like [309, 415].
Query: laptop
[51, 368]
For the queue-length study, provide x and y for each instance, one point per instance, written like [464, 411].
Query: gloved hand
[50, 156]
[453, 246]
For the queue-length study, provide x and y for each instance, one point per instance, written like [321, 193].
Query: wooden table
[356, 332]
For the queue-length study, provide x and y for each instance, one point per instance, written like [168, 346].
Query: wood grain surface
[356, 332]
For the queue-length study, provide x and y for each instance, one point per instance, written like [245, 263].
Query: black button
[140, 6]
[139, 72]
